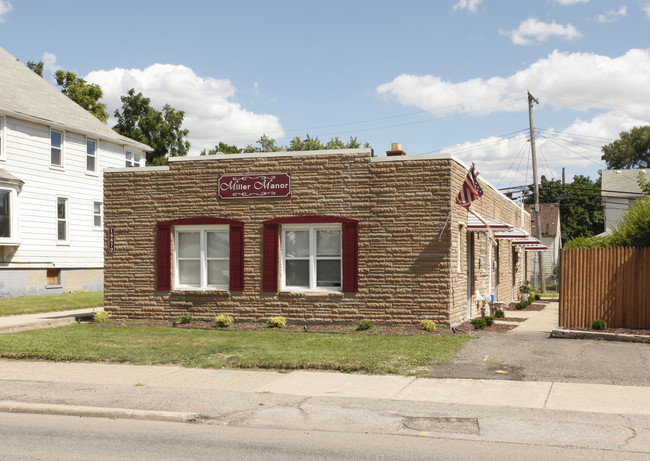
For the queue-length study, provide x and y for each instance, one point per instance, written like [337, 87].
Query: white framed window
[202, 257]
[312, 257]
[133, 159]
[8, 215]
[91, 155]
[97, 215]
[136, 159]
[56, 148]
[128, 158]
[62, 220]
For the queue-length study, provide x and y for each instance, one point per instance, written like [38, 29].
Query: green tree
[267, 145]
[298, 144]
[631, 150]
[581, 210]
[87, 95]
[223, 148]
[162, 131]
[36, 67]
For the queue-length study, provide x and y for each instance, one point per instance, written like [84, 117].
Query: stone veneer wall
[405, 258]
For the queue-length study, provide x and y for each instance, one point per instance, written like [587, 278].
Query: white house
[52, 157]
[620, 189]
[549, 217]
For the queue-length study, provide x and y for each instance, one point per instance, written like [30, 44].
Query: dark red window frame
[350, 247]
[164, 250]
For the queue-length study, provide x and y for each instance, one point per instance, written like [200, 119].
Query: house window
[202, 257]
[53, 277]
[311, 256]
[5, 214]
[128, 158]
[311, 253]
[97, 215]
[136, 159]
[56, 148]
[62, 219]
[2, 137]
[91, 155]
[208, 253]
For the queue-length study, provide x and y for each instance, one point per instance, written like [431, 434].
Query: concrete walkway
[12, 323]
[545, 320]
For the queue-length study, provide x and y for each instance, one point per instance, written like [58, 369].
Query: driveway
[527, 353]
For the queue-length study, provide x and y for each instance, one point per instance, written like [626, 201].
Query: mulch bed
[347, 329]
[536, 306]
[468, 329]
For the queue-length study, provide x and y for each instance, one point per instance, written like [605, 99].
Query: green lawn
[51, 303]
[371, 354]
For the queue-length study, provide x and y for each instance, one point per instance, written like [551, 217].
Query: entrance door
[470, 272]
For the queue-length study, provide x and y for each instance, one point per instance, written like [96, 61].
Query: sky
[444, 76]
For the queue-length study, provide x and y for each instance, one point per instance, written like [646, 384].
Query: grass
[278, 350]
[51, 303]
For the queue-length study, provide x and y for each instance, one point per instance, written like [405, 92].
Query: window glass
[62, 218]
[297, 273]
[218, 244]
[189, 245]
[328, 273]
[328, 242]
[189, 272]
[5, 214]
[218, 272]
[91, 154]
[56, 138]
[97, 214]
[128, 158]
[136, 159]
[297, 244]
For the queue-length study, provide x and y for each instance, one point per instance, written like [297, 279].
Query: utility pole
[542, 277]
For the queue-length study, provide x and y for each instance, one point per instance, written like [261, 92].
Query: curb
[37, 325]
[578, 334]
[98, 412]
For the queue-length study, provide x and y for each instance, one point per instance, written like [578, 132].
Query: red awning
[475, 224]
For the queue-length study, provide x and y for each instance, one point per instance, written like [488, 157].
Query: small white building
[52, 157]
[549, 216]
[620, 189]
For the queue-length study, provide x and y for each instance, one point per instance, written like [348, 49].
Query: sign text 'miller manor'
[270, 185]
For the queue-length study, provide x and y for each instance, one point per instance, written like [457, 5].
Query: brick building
[327, 236]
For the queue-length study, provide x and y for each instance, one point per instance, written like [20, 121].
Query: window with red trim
[202, 253]
[311, 253]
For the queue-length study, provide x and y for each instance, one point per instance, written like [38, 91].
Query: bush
[101, 317]
[537, 297]
[184, 319]
[428, 325]
[223, 321]
[364, 325]
[276, 322]
[479, 323]
[489, 320]
[521, 305]
[525, 287]
[598, 324]
[499, 314]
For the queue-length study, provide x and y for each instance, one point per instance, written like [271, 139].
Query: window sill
[57, 168]
[200, 292]
[94, 174]
[310, 294]
[53, 287]
[9, 243]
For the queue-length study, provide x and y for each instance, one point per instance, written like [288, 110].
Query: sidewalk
[12, 323]
[594, 398]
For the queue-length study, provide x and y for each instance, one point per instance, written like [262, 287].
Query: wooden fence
[612, 284]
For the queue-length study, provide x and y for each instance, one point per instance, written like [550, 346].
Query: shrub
[101, 317]
[525, 287]
[499, 314]
[537, 297]
[479, 323]
[184, 319]
[428, 325]
[364, 325]
[521, 305]
[598, 324]
[223, 321]
[276, 322]
[489, 320]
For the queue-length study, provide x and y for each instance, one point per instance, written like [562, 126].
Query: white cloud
[570, 2]
[611, 15]
[646, 10]
[616, 87]
[533, 30]
[211, 114]
[49, 62]
[5, 8]
[469, 5]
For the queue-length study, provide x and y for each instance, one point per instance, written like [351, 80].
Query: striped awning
[530, 244]
[513, 234]
[475, 224]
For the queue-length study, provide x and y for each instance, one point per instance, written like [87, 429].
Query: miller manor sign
[270, 185]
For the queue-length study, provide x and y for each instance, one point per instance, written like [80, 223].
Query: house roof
[27, 96]
[549, 217]
[622, 183]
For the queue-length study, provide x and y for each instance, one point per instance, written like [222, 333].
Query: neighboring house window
[128, 158]
[97, 215]
[208, 253]
[311, 256]
[56, 148]
[136, 159]
[317, 253]
[2, 137]
[62, 219]
[91, 155]
[6, 228]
